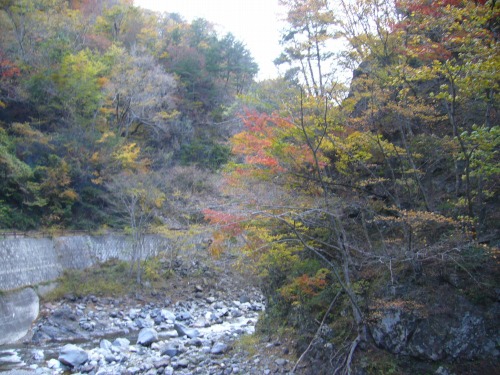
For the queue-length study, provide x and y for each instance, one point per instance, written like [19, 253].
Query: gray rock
[168, 315]
[62, 325]
[195, 342]
[236, 313]
[87, 368]
[257, 307]
[87, 326]
[105, 344]
[133, 313]
[219, 348]
[183, 363]
[219, 305]
[18, 310]
[210, 316]
[109, 357]
[466, 339]
[72, 355]
[222, 312]
[132, 370]
[392, 331]
[184, 315]
[146, 366]
[144, 323]
[39, 337]
[147, 336]
[121, 343]
[182, 330]
[169, 350]
[280, 362]
[210, 299]
[53, 363]
[37, 355]
[244, 299]
[162, 362]
[462, 334]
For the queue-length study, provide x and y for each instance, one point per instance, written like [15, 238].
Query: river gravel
[194, 327]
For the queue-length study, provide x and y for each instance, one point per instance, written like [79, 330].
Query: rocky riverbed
[193, 327]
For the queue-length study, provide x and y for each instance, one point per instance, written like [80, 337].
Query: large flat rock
[18, 310]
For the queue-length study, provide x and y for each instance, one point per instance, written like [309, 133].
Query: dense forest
[360, 203]
[92, 91]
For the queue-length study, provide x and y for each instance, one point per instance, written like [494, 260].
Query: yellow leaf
[95, 157]
[97, 181]
[105, 136]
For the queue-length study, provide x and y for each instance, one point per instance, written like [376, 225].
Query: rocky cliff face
[438, 319]
[461, 334]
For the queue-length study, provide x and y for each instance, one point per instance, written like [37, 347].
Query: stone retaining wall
[31, 261]
[18, 310]
[26, 262]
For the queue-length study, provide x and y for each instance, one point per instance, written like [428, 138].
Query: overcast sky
[254, 22]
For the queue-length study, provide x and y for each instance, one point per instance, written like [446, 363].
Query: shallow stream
[232, 320]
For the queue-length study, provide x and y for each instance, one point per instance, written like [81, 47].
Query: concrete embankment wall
[27, 262]
[31, 261]
[18, 310]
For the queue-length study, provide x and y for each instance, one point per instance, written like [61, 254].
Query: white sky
[254, 22]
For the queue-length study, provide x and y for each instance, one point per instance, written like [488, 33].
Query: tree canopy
[348, 198]
[395, 174]
[87, 85]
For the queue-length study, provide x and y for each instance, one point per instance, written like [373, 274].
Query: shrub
[206, 154]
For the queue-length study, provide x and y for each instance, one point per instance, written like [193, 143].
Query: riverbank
[203, 318]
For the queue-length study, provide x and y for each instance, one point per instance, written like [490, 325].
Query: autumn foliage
[114, 89]
[333, 193]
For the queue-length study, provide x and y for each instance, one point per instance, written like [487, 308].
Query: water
[22, 356]
[10, 359]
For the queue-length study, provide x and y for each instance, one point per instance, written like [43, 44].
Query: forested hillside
[371, 211]
[94, 92]
[368, 206]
